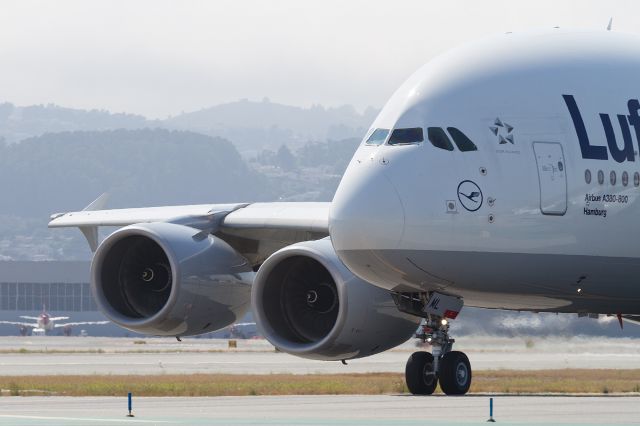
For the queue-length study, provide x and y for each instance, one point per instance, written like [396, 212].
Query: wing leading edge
[255, 230]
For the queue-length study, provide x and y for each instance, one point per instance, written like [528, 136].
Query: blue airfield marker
[491, 419]
[130, 413]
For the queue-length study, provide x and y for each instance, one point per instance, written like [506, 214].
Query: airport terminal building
[62, 288]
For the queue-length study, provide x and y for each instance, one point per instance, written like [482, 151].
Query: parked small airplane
[46, 323]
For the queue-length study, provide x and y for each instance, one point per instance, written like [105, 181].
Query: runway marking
[79, 419]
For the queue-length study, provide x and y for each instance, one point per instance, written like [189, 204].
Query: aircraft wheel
[455, 373]
[419, 374]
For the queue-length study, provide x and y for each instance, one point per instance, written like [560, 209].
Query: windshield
[439, 138]
[377, 137]
[461, 140]
[405, 136]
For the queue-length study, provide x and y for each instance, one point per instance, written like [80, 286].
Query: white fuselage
[45, 322]
[540, 235]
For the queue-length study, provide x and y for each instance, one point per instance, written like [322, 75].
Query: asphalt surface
[76, 355]
[152, 356]
[321, 410]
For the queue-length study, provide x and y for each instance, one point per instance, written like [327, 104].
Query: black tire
[419, 374]
[455, 373]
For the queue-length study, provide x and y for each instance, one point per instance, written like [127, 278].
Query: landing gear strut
[451, 368]
[424, 370]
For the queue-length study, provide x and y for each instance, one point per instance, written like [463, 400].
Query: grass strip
[500, 381]
[203, 384]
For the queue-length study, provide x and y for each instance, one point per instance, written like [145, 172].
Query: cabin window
[600, 177]
[461, 140]
[406, 136]
[612, 178]
[625, 178]
[587, 176]
[636, 179]
[377, 137]
[439, 138]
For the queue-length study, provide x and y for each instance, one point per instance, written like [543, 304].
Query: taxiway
[380, 410]
[76, 355]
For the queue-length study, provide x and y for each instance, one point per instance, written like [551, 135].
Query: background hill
[18, 123]
[139, 167]
[258, 125]
[251, 126]
[145, 167]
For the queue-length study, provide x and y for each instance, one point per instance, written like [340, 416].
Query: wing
[254, 230]
[29, 318]
[123, 217]
[58, 318]
[73, 324]
[23, 324]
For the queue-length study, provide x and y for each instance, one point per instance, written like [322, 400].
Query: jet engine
[307, 303]
[170, 280]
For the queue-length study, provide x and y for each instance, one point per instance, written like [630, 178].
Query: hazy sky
[159, 58]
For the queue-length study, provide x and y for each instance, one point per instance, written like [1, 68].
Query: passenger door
[552, 177]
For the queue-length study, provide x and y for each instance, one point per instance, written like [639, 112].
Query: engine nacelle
[307, 303]
[168, 280]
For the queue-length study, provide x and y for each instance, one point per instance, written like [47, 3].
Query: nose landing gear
[424, 370]
[451, 368]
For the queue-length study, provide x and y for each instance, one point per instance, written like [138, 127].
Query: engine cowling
[307, 303]
[166, 279]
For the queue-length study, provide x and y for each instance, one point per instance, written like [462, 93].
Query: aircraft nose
[366, 212]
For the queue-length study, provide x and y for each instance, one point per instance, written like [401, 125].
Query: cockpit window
[406, 136]
[439, 138]
[461, 140]
[377, 137]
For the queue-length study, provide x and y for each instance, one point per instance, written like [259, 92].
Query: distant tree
[266, 157]
[335, 154]
[285, 159]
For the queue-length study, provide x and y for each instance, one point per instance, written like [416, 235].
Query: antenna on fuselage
[610, 24]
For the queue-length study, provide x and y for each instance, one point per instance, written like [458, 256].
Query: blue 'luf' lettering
[596, 152]
[588, 150]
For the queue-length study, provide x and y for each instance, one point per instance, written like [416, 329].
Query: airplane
[45, 323]
[442, 205]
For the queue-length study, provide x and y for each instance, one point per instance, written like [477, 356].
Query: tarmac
[61, 355]
[321, 410]
[121, 356]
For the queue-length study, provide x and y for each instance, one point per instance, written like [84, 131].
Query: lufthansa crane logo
[470, 195]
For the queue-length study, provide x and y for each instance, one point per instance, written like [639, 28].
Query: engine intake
[301, 299]
[167, 279]
[307, 303]
[144, 274]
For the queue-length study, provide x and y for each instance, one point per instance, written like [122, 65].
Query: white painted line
[87, 420]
